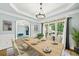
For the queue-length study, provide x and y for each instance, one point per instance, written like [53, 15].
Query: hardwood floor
[73, 53]
[3, 52]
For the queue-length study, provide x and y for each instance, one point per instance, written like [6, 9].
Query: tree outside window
[60, 27]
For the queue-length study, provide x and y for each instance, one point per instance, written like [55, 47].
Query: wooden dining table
[56, 49]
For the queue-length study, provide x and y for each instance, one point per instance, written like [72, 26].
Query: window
[60, 26]
[7, 26]
[55, 28]
[52, 26]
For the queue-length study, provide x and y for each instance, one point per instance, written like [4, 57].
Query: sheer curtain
[64, 33]
[65, 40]
[64, 37]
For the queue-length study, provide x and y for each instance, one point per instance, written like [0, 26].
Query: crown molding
[61, 16]
[21, 12]
[50, 15]
[63, 10]
[38, 21]
[18, 16]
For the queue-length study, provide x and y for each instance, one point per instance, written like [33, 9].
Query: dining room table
[46, 47]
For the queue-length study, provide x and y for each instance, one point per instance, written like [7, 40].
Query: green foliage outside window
[40, 35]
[60, 27]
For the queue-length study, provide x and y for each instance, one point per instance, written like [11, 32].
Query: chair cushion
[23, 46]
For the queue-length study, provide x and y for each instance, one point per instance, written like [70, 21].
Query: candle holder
[53, 38]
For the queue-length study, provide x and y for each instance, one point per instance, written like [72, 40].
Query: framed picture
[7, 25]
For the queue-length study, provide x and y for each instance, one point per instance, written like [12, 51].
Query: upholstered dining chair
[59, 38]
[21, 45]
[49, 37]
[17, 51]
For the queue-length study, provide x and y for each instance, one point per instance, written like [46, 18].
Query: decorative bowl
[27, 39]
[43, 39]
[54, 43]
[47, 50]
[34, 43]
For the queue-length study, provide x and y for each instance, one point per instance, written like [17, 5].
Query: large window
[52, 26]
[55, 28]
[60, 26]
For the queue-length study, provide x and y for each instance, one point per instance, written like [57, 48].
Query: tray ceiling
[31, 9]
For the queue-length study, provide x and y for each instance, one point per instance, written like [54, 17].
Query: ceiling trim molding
[27, 15]
[61, 16]
[54, 13]
[63, 10]
[18, 16]
[21, 12]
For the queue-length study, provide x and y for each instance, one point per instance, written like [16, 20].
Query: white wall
[20, 27]
[5, 40]
[5, 37]
[73, 23]
[34, 33]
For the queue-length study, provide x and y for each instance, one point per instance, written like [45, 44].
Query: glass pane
[52, 26]
[60, 27]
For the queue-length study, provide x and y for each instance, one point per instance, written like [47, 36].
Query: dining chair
[17, 51]
[15, 48]
[21, 45]
[49, 37]
[59, 38]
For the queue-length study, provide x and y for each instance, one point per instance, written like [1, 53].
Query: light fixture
[41, 14]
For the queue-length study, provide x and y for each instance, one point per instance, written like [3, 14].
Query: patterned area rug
[30, 51]
[10, 52]
[66, 53]
[73, 53]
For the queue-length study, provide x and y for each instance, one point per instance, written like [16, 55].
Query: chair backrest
[16, 50]
[49, 37]
[59, 38]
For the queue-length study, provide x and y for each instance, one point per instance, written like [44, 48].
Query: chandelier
[41, 14]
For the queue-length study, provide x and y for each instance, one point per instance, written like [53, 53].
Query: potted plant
[40, 35]
[75, 36]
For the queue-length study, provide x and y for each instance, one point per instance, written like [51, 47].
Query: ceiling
[33, 8]
[29, 10]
